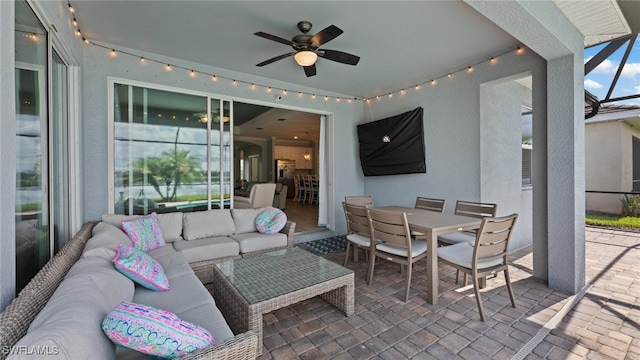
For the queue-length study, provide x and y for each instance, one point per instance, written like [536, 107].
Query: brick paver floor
[604, 324]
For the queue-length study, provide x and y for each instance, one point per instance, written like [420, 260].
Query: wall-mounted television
[394, 145]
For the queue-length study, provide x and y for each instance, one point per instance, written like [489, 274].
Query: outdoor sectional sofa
[60, 311]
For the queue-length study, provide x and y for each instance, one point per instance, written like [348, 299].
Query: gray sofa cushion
[245, 220]
[90, 290]
[207, 249]
[105, 241]
[251, 242]
[170, 223]
[174, 263]
[187, 292]
[205, 224]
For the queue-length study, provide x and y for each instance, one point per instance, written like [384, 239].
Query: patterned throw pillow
[271, 220]
[141, 268]
[153, 331]
[144, 232]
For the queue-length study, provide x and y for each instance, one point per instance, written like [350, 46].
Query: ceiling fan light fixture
[305, 58]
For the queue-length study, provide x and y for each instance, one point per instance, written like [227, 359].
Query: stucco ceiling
[399, 42]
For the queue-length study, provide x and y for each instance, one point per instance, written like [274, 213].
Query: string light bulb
[74, 22]
[470, 69]
[519, 50]
[113, 53]
[142, 59]
[86, 41]
[214, 78]
[390, 95]
[192, 73]
[284, 92]
[326, 98]
[71, 9]
[269, 89]
[168, 67]
[493, 60]
[78, 32]
[433, 82]
[417, 87]
[234, 82]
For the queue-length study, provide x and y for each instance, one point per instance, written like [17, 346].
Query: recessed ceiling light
[295, 137]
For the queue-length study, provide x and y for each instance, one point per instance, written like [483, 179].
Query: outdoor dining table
[432, 224]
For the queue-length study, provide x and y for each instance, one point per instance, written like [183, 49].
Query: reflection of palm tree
[170, 168]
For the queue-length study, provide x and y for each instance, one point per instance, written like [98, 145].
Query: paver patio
[604, 324]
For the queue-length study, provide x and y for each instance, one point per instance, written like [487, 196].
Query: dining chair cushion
[457, 237]
[417, 247]
[462, 254]
[358, 239]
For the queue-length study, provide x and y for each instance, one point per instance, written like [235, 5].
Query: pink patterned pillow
[141, 268]
[153, 331]
[144, 232]
[271, 220]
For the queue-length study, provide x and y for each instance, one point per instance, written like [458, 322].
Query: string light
[193, 73]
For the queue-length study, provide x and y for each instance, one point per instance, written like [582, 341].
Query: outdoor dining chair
[430, 204]
[359, 200]
[358, 234]
[393, 242]
[471, 209]
[487, 256]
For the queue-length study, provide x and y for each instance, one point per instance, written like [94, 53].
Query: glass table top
[269, 275]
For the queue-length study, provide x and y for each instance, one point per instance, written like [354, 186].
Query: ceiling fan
[307, 48]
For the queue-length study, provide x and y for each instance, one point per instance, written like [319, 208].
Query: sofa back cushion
[105, 241]
[204, 224]
[245, 220]
[170, 223]
[69, 324]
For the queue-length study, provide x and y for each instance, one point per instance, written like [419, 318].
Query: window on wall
[527, 146]
[171, 151]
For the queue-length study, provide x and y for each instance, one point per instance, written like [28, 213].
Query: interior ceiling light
[305, 58]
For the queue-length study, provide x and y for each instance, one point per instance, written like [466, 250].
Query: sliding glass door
[167, 151]
[32, 221]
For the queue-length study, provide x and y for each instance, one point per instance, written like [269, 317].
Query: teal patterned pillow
[144, 232]
[271, 220]
[153, 331]
[141, 268]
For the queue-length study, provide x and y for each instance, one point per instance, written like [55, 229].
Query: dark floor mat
[325, 246]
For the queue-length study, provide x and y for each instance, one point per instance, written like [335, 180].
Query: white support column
[565, 163]
[7, 154]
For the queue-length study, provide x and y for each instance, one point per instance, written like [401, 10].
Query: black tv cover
[394, 145]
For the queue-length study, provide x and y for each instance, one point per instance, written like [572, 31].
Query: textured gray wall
[456, 136]
[345, 176]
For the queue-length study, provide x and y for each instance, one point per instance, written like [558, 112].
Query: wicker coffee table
[247, 288]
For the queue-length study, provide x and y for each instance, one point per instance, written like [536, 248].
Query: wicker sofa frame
[18, 315]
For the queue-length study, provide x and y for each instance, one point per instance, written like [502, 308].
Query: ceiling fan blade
[275, 38]
[283, 56]
[339, 56]
[310, 70]
[325, 35]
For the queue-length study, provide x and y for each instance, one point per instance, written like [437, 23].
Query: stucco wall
[453, 144]
[344, 174]
[609, 163]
